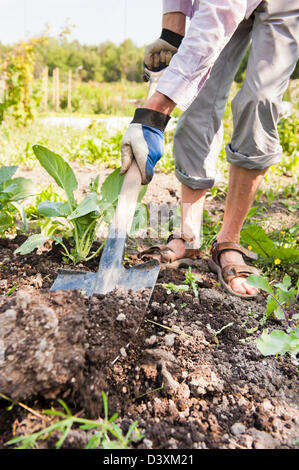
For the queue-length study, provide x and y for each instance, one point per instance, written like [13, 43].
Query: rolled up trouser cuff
[195, 182]
[252, 162]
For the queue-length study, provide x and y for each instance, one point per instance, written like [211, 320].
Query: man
[202, 66]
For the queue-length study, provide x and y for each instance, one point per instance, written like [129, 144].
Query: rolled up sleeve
[183, 6]
[210, 29]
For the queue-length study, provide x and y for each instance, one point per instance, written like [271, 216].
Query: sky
[95, 21]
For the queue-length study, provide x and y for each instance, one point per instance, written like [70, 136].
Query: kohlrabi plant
[12, 191]
[283, 303]
[77, 222]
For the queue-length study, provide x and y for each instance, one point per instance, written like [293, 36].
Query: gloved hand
[159, 53]
[144, 142]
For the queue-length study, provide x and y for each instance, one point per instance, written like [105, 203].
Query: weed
[12, 191]
[217, 333]
[282, 302]
[191, 280]
[107, 435]
[171, 287]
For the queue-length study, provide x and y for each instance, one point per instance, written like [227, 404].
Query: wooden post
[45, 89]
[57, 90]
[69, 91]
[2, 86]
[54, 88]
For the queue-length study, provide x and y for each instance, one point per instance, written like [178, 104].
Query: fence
[46, 88]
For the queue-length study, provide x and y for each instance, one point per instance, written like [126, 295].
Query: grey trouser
[273, 29]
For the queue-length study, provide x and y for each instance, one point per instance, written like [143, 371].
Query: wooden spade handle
[127, 201]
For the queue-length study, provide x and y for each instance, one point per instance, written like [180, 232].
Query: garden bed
[186, 385]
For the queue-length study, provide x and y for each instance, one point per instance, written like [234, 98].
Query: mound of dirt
[42, 339]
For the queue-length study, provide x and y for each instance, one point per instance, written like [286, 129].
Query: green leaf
[256, 237]
[271, 305]
[142, 192]
[7, 172]
[53, 209]
[89, 204]
[277, 342]
[260, 283]
[22, 213]
[19, 188]
[286, 254]
[31, 244]
[59, 169]
[141, 218]
[112, 185]
[285, 284]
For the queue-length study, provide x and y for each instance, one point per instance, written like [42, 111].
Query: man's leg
[242, 187]
[199, 135]
[256, 109]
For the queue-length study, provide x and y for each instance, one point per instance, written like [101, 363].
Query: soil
[186, 387]
[162, 364]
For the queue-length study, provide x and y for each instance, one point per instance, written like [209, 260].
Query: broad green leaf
[7, 172]
[277, 342]
[256, 237]
[111, 186]
[286, 254]
[259, 282]
[142, 192]
[285, 284]
[53, 209]
[271, 305]
[31, 244]
[141, 218]
[89, 204]
[22, 213]
[20, 188]
[59, 169]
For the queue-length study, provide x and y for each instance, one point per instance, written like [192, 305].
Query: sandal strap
[218, 248]
[237, 270]
[164, 251]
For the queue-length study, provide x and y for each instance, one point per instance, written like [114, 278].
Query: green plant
[108, 434]
[171, 287]
[217, 333]
[271, 251]
[13, 190]
[282, 302]
[191, 280]
[76, 222]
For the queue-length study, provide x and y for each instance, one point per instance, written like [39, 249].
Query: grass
[106, 434]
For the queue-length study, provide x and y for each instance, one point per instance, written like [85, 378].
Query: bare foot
[239, 284]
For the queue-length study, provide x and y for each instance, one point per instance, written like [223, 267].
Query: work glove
[159, 53]
[144, 142]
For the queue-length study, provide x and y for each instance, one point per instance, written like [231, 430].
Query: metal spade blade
[112, 273]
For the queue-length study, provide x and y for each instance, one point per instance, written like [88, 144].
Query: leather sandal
[231, 271]
[166, 254]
